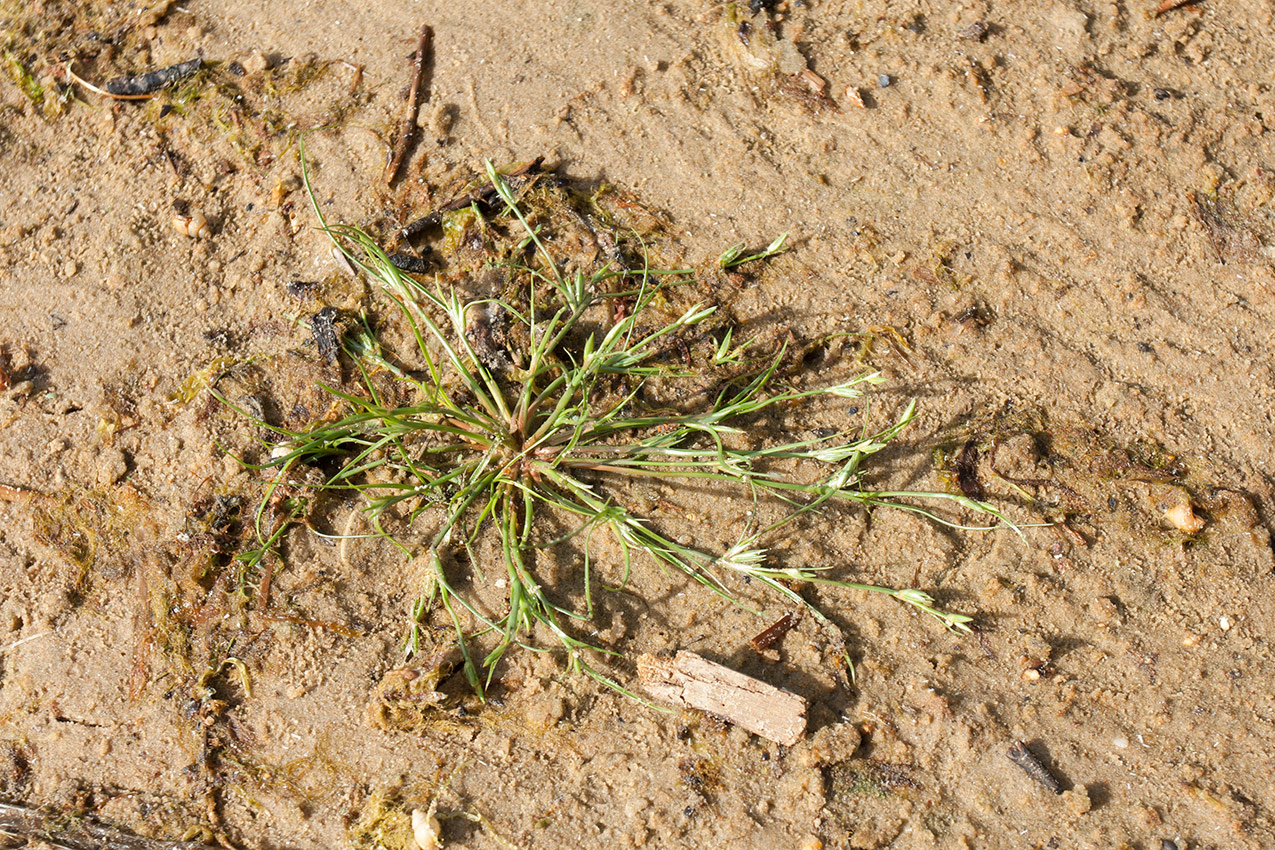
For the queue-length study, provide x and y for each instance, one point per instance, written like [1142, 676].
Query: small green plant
[493, 441]
[734, 255]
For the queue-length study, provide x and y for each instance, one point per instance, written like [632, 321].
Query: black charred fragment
[965, 469]
[409, 263]
[1033, 767]
[153, 81]
[302, 288]
[323, 324]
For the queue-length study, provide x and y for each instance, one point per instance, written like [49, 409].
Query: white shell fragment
[426, 829]
[194, 225]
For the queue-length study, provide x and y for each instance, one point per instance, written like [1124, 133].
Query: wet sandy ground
[1063, 210]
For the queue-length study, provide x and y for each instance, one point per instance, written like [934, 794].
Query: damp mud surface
[1052, 224]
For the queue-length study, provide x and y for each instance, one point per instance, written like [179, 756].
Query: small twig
[344, 631]
[55, 829]
[1034, 767]
[775, 632]
[408, 130]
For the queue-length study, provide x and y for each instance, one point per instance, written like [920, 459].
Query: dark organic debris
[1033, 767]
[302, 288]
[323, 324]
[149, 83]
[966, 471]
[409, 263]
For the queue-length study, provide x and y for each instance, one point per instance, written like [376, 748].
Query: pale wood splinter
[687, 680]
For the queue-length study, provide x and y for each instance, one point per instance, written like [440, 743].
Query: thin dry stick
[408, 131]
[59, 831]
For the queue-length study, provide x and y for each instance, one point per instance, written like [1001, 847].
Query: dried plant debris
[421, 61]
[775, 632]
[59, 830]
[255, 109]
[752, 43]
[93, 529]
[409, 698]
[384, 823]
[1231, 236]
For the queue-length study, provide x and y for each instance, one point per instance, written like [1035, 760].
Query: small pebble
[884, 81]
[1168, 844]
[256, 63]
[1225, 623]
[112, 465]
[1121, 743]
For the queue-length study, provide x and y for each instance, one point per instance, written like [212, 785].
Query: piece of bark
[688, 681]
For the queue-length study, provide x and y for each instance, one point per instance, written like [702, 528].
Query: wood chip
[688, 681]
